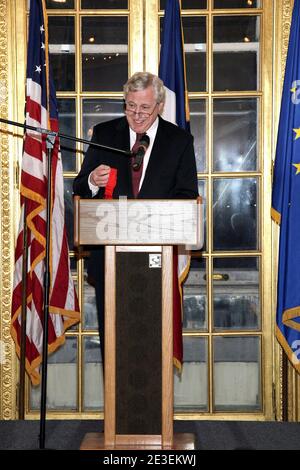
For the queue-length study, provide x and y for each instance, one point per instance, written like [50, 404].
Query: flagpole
[50, 140]
[66, 136]
[23, 320]
[285, 381]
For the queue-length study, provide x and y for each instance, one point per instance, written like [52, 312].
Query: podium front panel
[138, 343]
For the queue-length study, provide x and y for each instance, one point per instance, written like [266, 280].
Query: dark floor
[210, 435]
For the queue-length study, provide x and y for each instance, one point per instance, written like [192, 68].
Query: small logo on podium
[154, 260]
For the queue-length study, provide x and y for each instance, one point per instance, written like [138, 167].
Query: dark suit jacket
[171, 171]
[170, 174]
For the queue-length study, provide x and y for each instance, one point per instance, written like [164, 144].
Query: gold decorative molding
[151, 20]
[136, 37]
[7, 388]
[286, 18]
[267, 43]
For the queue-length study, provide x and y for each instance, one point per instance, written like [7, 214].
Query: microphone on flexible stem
[143, 145]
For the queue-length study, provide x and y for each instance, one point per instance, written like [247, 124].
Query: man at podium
[163, 164]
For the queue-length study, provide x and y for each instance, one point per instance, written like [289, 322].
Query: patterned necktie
[136, 175]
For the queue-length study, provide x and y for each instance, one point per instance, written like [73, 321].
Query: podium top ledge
[138, 221]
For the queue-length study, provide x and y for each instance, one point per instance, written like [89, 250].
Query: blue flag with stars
[286, 200]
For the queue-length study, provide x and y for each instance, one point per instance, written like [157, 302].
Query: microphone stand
[65, 136]
[50, 140]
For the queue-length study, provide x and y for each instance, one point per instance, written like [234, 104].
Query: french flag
[172, 67]
[176, 110]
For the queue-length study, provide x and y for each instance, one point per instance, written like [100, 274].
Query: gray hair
[142, 80]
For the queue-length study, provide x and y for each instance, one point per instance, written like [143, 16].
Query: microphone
[143, 145]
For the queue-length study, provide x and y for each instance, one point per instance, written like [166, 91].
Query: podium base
[95, 441]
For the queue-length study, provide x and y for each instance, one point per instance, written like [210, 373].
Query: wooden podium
[138, 236]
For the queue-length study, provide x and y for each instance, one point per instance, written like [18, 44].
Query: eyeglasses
[130, 108]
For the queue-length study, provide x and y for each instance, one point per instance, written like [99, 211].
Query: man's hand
[99, 176]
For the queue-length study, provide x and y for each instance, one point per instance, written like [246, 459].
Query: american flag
[41, 111]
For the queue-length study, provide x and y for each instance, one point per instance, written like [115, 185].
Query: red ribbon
[111, 184]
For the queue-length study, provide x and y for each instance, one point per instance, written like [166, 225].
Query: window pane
[198, 129]
[69, 210]
[194, 31]
[95, 111]
[235, 129]
[236, 294]
[67, 4]
[62, 51]
[93, 374]
[104, 4]
[195, 297]
[67, 125]
[89, 313]
[237, 373]
[75, 327]
[235, 214]
[73, 265]
[187, 4]
[74, 273]
[237, 4]
[62, 379]
[190, 389]
[236, 52]
[104, 53]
